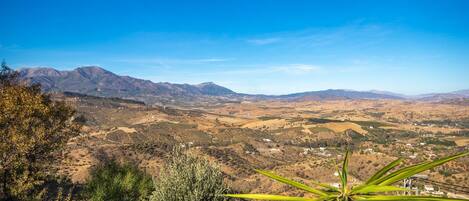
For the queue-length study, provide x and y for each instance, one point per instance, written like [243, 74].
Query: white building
[428, 188]
[266, 140]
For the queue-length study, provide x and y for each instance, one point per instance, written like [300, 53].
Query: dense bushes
[183, 178]
[115, 182]
[188, 178]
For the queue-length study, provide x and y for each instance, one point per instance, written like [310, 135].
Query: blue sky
[250, 46]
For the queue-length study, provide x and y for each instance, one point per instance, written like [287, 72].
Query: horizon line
[376, 91]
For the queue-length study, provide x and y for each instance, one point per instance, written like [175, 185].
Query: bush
[112, 181]
[438, 141]
[188, 178]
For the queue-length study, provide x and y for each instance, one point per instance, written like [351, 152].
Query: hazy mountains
[443, 96]
[333, 94]
[99, 82]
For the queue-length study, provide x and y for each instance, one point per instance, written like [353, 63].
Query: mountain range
[96, 81]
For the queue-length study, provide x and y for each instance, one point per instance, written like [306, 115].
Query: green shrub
[437, 141]
[112, 181]
[188, 178]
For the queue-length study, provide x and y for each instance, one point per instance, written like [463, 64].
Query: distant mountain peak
[92, 69]
[464, 92]
[211, 88]
[387, 93]
[206, 83]
[341, 90]
[331, 94]
[460, 94]
[39, 71]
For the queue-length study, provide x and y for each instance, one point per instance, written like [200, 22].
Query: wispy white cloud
[291, 69]
[264, 41]
[209, 60]
[352, 33]
[351, 69]
[297, 68]
[165, 62]
[9, 47]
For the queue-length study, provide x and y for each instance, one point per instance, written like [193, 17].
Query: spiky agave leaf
[402, 198]
[292, 183]
[270, 197]
[407, 172]
[326, 186]
[344, 173]
[398, 171]
[384, 170]
[378, 183]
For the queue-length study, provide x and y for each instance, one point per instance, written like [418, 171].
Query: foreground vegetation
[112, 181]
[189, 178]
[33, 129]
[183, 178]
[376, 188]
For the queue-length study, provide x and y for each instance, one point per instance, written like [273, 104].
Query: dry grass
[341, 127]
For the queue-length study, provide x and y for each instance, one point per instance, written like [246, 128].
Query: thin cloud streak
[297, 68]
[350, 33]
[264, 41]
[160, 61]
[292, 69]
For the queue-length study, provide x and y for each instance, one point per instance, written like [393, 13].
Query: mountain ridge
[97, 81]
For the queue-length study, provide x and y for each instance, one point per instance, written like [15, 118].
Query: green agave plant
[377, 188]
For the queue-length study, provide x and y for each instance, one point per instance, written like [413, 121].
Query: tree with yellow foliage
[33, 129]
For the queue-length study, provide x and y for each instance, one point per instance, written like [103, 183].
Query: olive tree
[189, 178]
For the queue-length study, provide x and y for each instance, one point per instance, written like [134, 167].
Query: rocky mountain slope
[100, 82]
